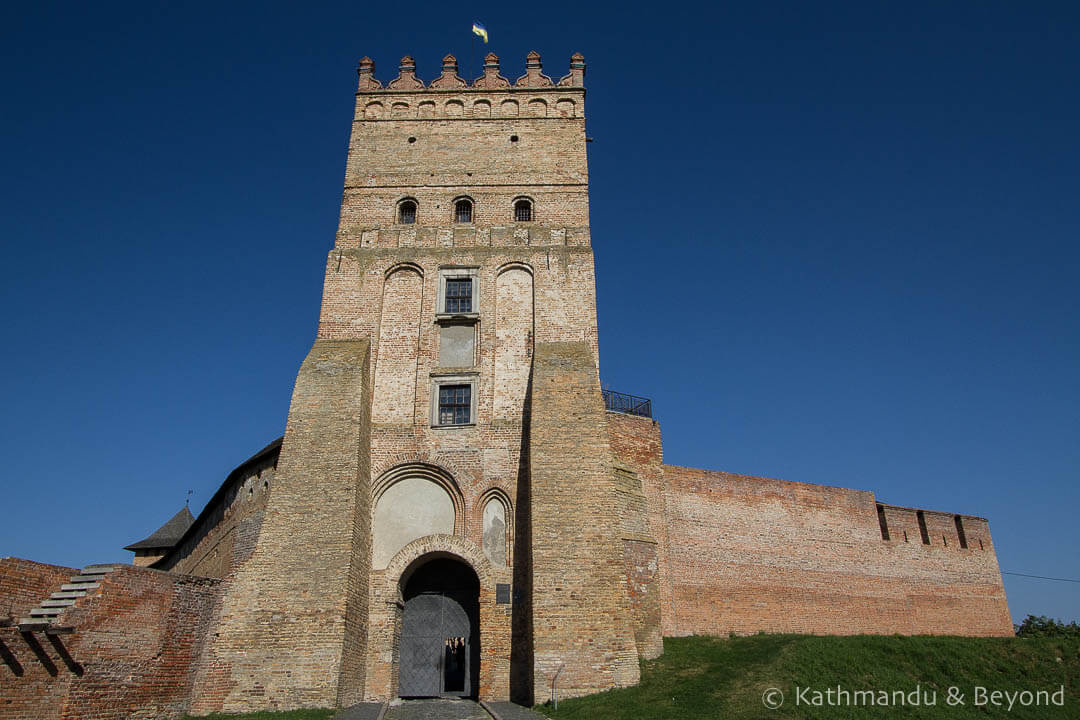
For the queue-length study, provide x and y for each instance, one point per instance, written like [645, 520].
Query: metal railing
[629, 404]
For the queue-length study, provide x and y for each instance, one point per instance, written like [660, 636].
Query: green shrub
[1042, 626]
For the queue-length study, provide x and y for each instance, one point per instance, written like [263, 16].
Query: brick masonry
[132, 653]
[582, 625]
[751, 554]
[605, 548]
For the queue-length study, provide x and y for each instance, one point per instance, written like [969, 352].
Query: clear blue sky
[835, 243]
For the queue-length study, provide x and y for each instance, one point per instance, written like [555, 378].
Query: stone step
[70, 587]
[86, 578]
[95, 569]
[68, 595]
[57, 603]
[45, 612]
[34, 623]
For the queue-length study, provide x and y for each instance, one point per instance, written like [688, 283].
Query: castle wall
[224, 535]
[636, 444]
[751, 554]
[582, 628]
[291, 627]
[132, 653]
[24, 583]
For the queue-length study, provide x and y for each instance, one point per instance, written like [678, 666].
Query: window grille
[463, 211]
[455, 402]
[407, 212]
[523, 211]
[458, 295]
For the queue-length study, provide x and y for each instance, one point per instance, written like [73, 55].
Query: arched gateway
[440, 631]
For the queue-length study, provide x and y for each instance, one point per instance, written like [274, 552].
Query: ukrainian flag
[480, 30]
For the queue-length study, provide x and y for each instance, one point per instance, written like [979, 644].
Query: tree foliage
[1042, 626]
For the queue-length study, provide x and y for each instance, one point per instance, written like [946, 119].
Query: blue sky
[835, 243]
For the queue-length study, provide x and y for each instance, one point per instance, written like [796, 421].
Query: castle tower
[445, 517]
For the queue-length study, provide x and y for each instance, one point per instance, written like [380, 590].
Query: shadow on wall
[521, 647]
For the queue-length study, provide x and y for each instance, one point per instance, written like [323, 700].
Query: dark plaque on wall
[502, 593]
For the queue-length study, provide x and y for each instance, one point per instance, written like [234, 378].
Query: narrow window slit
[921, 517]
[883, 522]
[960, 531]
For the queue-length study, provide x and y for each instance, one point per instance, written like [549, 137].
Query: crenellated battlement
[491, 79]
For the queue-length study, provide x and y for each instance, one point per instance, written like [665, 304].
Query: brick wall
[581, 619]
[224, 534]
[751, 554]
[290, 631]
[24, 584]
[636, 443]
[131, 655]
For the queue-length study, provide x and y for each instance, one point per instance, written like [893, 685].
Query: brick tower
[446, 441]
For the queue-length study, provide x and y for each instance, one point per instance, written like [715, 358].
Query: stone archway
[390, 588]
[439, 645]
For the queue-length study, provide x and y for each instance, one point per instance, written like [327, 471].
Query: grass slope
[702, 677]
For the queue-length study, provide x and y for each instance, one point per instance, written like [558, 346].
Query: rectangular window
[458, 295]
[455, 404]
[922, 527]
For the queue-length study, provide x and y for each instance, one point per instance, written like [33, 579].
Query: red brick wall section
[131, 656]
[24, 584]
[635, 442]
[753, 554]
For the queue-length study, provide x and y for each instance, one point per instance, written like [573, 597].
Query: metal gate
[436, 641]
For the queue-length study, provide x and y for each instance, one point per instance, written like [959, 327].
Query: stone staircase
[45, 616]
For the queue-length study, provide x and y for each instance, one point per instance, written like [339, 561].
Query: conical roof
[168, 534]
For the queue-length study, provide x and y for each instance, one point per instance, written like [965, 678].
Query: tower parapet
[491, 79]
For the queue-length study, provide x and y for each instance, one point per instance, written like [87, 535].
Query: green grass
[266, 715]
[702, 677]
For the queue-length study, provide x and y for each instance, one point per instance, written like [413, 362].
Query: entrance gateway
[440, 632]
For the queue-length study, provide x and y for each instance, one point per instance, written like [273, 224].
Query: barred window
[463, 211]
[407, 212]
[522, 211]
[458, 295]
[455, 402]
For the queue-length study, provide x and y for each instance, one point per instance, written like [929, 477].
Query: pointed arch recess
[496, 494]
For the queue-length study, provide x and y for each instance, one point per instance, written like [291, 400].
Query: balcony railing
[629, 404]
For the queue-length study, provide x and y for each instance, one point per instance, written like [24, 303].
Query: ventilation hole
[412, 140]
[266, 484]
[251, 491]
[513, 138]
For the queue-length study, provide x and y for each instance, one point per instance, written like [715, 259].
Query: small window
[455, 404]
[522, 211]
[463, 211]
[407, 212]
[458, 295]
